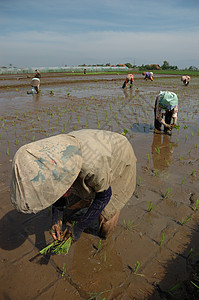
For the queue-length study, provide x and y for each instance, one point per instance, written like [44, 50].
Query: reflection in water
[128, 94]
[162, 151]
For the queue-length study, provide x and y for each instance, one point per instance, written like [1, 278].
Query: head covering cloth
[168, 100]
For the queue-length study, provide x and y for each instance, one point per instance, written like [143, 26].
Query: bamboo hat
[43, 171]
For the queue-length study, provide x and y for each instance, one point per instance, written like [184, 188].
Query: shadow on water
[182, 274]
[16, 228]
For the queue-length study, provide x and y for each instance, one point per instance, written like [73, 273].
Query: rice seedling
[162, 239]
[189, 254]
[183, 222]
[58, 247]
[63, 270]
[95, 295]
[170, 291]
[157, 150]
[193, 172]
[128, 224]
[150, 206]
[136, 267]
[139, 181]
[167, 192]
[195, 284]
[98, 247]
[125, 131]
[148, 157]
[156, 172]
[183, 180]
[196, 205]
[7, 151]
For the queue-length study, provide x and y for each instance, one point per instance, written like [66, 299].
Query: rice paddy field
[153, 252]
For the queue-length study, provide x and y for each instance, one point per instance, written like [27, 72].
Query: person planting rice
[129, 78]
[166, 105]
[93, 171]
[148, 75]
[35, 82]
[185, 79]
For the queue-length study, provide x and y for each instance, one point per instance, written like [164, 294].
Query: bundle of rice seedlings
[58, 247]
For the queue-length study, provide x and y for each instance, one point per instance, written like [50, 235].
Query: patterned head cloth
[43, 171]
[168, 100]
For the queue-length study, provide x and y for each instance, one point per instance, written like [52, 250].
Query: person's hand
[67, 232]
[56, 230]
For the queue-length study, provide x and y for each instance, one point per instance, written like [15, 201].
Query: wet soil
[153, 252]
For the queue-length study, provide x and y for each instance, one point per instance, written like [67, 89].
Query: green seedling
[195, 284]
[186, 220]
[196, 205]
[8, 152]
[157, 150]
[63, 270]
[128, 224]
[183, 180]
[173, 289]
[147, 157]
[150, 206]
[136, 267]
[189, 254]
[193, 172]
[162, 239]
[139, 181]
[185, 127]
[125, 131]
[156, 172]
[177, 127]
[58, 247]
[98, 247]
[95, 295]
[167, 192]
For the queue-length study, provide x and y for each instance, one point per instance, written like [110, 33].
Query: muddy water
[158, 227]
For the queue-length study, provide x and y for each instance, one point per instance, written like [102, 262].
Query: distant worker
[130, 78]
[35, 82]
[185, 79]
[148, 75]
[166, 104]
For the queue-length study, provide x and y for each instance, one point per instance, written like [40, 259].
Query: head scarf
[168, 100]
[43, 171]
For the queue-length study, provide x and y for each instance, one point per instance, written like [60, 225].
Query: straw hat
[43, 171]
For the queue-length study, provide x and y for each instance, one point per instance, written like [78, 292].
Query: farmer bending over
[96, 167]
[148, 75]
[166, 105]
[130, 78]
[35, 82]
[185, 79]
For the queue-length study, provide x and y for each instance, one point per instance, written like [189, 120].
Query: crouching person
[129, 78]
[88, 170]
[185, 79]
[166, 105]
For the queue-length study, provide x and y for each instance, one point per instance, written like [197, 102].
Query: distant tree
[165, 65]
[192, 68]
[129, 65]
[108, 64]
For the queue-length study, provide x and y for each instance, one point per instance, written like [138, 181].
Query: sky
[41, 33]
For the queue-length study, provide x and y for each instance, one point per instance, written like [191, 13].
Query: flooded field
[154, 250]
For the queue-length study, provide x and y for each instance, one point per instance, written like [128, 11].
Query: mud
[157, 230]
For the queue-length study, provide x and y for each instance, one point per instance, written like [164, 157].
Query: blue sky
[41, 33]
